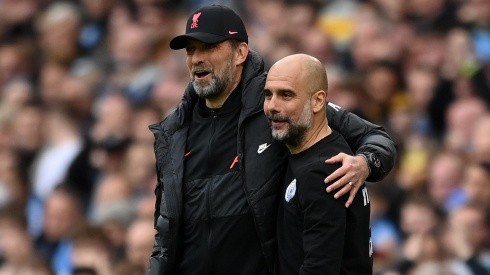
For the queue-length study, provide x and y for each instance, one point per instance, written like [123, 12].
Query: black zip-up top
[260, 166]
[216, 217]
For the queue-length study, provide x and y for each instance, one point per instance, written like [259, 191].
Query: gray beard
[216, 86]
[296, 132]
[295, 135]
[213, 90]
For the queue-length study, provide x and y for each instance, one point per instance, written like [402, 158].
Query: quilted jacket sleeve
[365, 138]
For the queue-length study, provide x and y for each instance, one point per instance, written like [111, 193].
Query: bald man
[316, 233]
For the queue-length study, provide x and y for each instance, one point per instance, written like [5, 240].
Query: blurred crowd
[80, 81]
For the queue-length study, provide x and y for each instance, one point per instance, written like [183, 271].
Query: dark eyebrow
[287, 91]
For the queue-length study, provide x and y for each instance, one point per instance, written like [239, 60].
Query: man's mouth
[275, 120]
[200, 74]
[277, 123]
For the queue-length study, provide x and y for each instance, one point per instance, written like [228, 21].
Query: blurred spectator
[476, 183]
[419, 215]
[16, 93]
[13, 187]
[421, 250]
[134, 74]
[142, 117]
[146, 205]
[423, 254]
[58, 29]
[460, 120]
[113, 115]
[91, 75]
[93, 32]
[125, 268]
[113, 210]
[372, 39]
[345, 90]
[51, 76]
[15, 60]
[467, 238]
[166, 94]
[160, 20]
[63, 215]
[62, 144]
[17, 16]
[30, 266]
[91, 252]
[382, 83]
[420, 83]
[480, 143]
[139, 242]
[77, 92]
[475, 13]
[445, 179]
[384, 234]
[15, 243]
[27, 136]
[138, 168]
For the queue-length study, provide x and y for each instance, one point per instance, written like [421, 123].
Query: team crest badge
[290, 191]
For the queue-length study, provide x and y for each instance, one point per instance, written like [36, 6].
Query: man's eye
[210, 46]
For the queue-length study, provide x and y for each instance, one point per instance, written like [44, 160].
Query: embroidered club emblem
[195, 19]
[290, 191]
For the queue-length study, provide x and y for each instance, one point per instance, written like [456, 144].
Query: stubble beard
[217, 85]
[295, 132]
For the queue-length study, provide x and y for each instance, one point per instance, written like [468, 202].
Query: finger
[342, 191]
[337, 174]
[352, 194]
[337, 158]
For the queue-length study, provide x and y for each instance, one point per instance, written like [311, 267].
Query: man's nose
[197, 56]
[271, 104]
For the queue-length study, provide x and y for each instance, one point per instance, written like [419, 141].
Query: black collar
[232, 103]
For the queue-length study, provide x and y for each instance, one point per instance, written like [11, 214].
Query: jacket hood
[253, 81]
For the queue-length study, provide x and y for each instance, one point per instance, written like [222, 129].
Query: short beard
[217, 85]
[295, 132]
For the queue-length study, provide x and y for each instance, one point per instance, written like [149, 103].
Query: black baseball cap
[211, 24]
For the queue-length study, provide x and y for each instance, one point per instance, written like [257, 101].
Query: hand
[354, 169]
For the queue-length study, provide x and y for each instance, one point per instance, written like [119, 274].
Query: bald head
[305, 70]
[295, 101]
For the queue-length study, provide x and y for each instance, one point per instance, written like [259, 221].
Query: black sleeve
[157, 260]
[365, 138]
[324, 225]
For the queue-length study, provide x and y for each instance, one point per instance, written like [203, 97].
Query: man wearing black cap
[219, 169]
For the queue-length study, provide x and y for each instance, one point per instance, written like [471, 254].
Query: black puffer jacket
[262, 171]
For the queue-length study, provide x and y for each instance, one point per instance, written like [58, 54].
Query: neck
[217, 102]
[315, 134]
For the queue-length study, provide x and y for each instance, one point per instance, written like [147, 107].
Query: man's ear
[318, 101]
[241, 53]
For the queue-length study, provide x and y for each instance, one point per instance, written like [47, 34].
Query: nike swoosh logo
[231, 32]
[262, 148]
